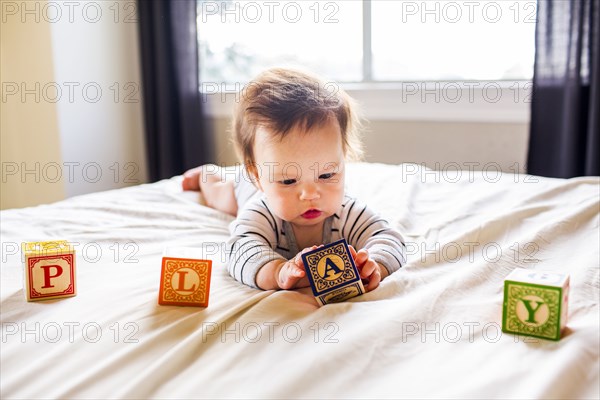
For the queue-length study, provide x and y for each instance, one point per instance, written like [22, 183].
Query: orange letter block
[49, 270]
[184, 282]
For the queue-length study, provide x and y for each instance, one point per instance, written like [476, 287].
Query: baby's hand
[368, 268]
[292, 274]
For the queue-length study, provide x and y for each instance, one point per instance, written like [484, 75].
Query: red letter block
[49, 270]
[184, 282]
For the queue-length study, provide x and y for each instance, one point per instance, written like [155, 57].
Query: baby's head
[282, 100]
[294, 133]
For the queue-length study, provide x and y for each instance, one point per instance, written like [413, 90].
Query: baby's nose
[309, 192]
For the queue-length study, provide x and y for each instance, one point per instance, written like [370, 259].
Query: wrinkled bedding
[431, 330]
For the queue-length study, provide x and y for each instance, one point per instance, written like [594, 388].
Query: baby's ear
[253, 175]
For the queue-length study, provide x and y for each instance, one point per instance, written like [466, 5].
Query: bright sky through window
[409, 40]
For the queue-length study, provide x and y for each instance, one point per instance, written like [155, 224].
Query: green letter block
[535, 303]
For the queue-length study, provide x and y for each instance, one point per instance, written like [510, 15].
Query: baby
[294, 135]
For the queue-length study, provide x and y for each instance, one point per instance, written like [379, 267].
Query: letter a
[331, 269]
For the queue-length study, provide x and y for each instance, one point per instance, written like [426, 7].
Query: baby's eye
[327, 176]
[287, 182]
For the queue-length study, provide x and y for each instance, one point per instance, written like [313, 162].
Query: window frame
[414, 100]
[509, 101]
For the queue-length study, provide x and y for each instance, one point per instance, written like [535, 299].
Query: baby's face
[303, 175]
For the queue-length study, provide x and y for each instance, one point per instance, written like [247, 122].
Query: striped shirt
[258, 236]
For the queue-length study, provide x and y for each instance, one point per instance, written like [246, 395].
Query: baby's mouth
[312, 213]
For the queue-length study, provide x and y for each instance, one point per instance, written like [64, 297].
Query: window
[368, 41]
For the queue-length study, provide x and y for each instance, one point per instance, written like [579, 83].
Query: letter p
[209, 8]
[47, 274]
[209, 328]
[9, 328]
[409, 329]
[9, 8]
[9, 89]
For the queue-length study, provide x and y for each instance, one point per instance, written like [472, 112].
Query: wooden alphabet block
[535, 303]
[332, 274]
[184, 282]
[49, 270]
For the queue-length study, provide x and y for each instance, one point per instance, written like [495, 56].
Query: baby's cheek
[336, 196]
[278, 206]
[284, 213]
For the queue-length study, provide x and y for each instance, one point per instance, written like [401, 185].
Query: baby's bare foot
[217, 192]
[191, 179]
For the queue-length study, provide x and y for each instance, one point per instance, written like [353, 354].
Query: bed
[431, 330]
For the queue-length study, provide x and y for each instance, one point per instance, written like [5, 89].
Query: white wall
[445, 126]
[436, 144]
[83, 123]
[101, 123]
[30, 139]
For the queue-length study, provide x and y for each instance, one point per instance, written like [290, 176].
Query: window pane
[453, 40]
[238, 39]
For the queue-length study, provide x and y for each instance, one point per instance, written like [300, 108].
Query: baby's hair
[281, 99]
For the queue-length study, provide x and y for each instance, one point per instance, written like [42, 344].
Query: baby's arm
[378, 243]
[284, 274]
[252, 259]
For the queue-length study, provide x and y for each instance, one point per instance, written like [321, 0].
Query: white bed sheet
[431, 330]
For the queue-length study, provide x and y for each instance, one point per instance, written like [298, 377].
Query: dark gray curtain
[177, 135]
[565, 133]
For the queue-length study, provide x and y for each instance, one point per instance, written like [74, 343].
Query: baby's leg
[217, 189]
